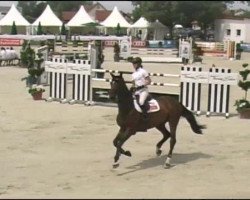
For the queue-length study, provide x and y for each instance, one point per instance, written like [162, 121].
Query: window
[238, 32]
[228, 31]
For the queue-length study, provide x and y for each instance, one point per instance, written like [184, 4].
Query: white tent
[140, 28]
[80, 18]
[114, 18]
[48, 18]
[13, 15]
[156, 29]
[140, 23]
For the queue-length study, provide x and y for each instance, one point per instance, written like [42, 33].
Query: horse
[131, 121]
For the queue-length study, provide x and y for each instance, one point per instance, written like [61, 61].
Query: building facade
[235, 29]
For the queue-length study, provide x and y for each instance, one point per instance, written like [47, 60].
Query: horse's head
[116, 84]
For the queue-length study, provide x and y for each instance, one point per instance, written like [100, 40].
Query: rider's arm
[133, 83]
[147, 80]
[132, 88]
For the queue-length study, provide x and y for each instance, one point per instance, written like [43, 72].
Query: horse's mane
[124, 95]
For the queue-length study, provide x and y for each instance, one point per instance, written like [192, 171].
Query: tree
[13, 29]
[63, 30]
[205, 12]
[179, 12]
[39, 29]
[118, 29]
[60, 6]
[31, 10]
[152, 11]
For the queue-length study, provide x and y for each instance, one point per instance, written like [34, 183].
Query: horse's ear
[121, 74]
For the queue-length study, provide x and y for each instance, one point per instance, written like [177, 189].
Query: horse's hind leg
[173, 125]
[166, 135]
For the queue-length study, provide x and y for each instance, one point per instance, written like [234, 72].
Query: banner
[10, 42]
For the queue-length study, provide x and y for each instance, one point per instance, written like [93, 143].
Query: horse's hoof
[167, 166]
[115, 165]
[158, 152]
[127, 153]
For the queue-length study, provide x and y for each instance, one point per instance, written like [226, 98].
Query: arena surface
[53, 150]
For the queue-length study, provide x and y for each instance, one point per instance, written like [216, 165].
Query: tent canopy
[48, 18]
[114, 18]
[157, 25]
[141, 23]
[14, 15]
[80, 18]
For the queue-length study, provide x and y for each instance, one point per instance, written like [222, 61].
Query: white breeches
[143, 94]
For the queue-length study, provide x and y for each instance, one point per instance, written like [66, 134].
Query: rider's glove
[132, 89]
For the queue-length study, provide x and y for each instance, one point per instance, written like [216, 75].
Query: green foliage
[238, 48]
[63, 30]
[179, 12]
[244, 74]
[27, 55]
[118, 29]
[13, 29]
[116, 48]
[39, 29]
[31, 10]
[35, 72]
[33, 64]
[36, 89]
[241, 104]
[160, 44]
[244, 84]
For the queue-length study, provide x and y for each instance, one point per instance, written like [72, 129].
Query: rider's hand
[132, 89]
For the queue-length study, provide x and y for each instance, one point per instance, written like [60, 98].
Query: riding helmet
[137, 60]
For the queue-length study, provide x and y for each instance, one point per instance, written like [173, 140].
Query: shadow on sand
[178, 158]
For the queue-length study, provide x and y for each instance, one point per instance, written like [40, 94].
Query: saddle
[150, 103]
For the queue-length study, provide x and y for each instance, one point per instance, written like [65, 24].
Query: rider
[140, 82]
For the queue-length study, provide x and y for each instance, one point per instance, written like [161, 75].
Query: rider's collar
[137, 68]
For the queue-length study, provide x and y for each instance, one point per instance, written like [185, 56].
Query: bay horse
[131, 121]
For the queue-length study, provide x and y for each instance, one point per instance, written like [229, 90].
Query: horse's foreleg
[116, 140]
[166, 135]
[123, 136]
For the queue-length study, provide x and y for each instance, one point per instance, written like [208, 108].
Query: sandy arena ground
[53, 150]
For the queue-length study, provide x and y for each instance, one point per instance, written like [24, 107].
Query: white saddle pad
[153, 104]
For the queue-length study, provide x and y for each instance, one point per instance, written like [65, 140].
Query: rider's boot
[144, 118]
[144, 113]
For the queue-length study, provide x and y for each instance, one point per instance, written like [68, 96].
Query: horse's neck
[125, 102]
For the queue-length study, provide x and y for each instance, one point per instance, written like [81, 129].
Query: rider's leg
[142, 99]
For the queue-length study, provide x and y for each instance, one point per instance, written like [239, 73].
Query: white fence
[218, 80]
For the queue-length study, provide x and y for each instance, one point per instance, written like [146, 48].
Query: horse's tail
[192, 121]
